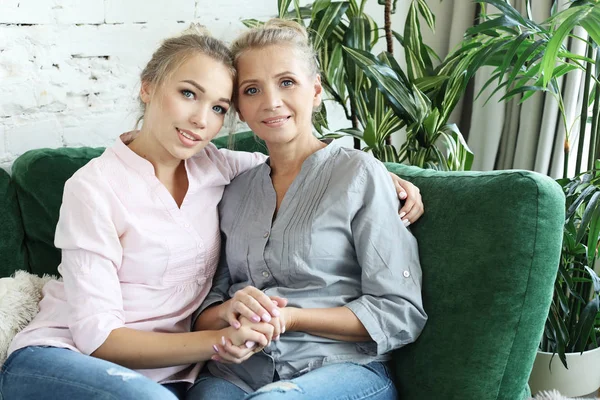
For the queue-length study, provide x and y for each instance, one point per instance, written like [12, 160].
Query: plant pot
[581, 379]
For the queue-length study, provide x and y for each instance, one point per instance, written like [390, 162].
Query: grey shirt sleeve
[391, 307]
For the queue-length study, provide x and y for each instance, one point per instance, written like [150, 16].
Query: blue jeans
[52, 373]
[331, 382]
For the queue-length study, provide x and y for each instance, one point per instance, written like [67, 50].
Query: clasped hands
[254, 320]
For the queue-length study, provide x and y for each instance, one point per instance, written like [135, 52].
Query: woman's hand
[237, 345]
[413, 203]
[252, 304]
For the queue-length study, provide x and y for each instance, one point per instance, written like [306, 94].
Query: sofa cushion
[12, 246]
[40, 177]
[489, 245]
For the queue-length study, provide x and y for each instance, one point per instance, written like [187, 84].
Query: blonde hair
[277, 32]
[175, 51]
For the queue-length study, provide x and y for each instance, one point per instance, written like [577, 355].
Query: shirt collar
[315, 158]
[129, 157]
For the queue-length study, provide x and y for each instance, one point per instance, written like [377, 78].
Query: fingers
[413, 208]
[255, 305]
[411, 211]
[259, 332]
[276, 324]
[231, 354]
[279, 301]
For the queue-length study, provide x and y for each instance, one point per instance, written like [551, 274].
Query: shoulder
[91, 182]
[246, 178]
[356, 165]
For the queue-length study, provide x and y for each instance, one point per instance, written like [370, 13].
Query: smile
[188, 135]
[277, 121]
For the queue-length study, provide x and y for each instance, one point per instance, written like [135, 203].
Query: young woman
[312, 225]
[139, 233]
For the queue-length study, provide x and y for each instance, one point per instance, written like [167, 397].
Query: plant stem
[584, 107]
[389, 40]
[354, 120]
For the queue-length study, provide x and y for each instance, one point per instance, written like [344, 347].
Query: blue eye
[251, 91]
[287, 83]
[188, 94]
[220, 110]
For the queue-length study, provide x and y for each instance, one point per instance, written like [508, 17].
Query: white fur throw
[553, 395]
[19, 298]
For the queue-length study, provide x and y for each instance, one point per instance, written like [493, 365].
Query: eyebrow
[200, 88]
[274, 76]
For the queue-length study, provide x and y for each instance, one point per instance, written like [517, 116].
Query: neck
[145, 146]
[287, 158]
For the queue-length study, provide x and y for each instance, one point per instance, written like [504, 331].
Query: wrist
[222, 311]
[293, 319]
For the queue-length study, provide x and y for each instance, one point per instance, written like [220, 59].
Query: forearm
[212, 318]
[142, 350]
[338, 323]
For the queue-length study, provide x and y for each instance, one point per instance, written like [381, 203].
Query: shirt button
[406, 274]
[265, 274]
[266, 235]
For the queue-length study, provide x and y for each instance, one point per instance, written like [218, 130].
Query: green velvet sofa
[489, 245]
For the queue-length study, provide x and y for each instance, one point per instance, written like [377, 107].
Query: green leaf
[427, 15]
[317, 7]
[587, 215]
[593, 235]
[585, 324]
[427, 83]
[283, 6]
[462, 159]
[369, 136]
[582, 197]
[252, 23]
[326, 20]
[551, 51]
[489, 27]
[387, 153]
[513, 14]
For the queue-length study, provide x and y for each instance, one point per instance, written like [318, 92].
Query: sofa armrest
[489, 244]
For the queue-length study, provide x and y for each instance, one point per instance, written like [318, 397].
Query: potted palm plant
[529, 57]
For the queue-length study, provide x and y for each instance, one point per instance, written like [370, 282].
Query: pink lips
[276, 121]
[187, 142]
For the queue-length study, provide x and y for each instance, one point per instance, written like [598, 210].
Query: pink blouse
[130, 256]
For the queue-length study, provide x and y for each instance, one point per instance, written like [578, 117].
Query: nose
[272, 100]
[199, 117]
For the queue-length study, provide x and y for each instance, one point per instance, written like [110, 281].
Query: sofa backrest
[12, 245]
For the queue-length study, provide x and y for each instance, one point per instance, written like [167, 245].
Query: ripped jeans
[332, 382]
[53, 373]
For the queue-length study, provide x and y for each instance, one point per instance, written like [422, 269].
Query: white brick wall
[69, 68]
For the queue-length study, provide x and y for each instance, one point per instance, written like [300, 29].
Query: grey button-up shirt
[337, 241]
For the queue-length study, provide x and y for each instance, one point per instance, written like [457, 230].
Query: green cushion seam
[527, 285]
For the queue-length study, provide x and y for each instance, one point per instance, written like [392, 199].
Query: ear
[318, 92]
[146, 92]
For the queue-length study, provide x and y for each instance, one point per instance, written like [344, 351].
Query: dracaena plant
[530, 57]
[377, 96]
